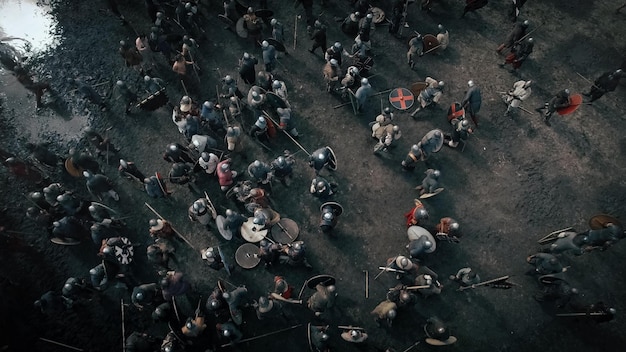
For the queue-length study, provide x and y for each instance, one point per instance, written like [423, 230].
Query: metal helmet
[276, 84]
[369, 16]
[325, 337]
[205, 156]
[392, 313]
[229, 213]
[441, 28]
[421, 213]
[208, 104]
[465, 123]
[440, 84]
[613, 311]
[429, 279]
[354, 333]
[153, 222]
[297, 246]
[146, 180]
[87, 174]
[225, 167]
[214, 303]
[139, 296]
[159, 14]
[119, 83]
[436, 173]
[226, 332]
[281, 161]
[246, 56]
[331, 288]
[573, 291]
[146, 78]
[189, 324]
[257, 163]
[273, 22]
[365, 82]
[172, 147]
[318, 24]
[526, 23]
[353, 70]
[265, 44]
[387, 111]
[122, 43]
[337, 45]
[198, 206]
[454, 226]
[328, 216]
[320, 185]
[470, 83]
[334, 62]
[566, 90]
[32, 211]
[229, 78]
[405, 296]
[530, 40]
[415, 149]
[123, 163]
[250, 9]
[428, 244]
[263, 243]
[185, 99]
[226, 295]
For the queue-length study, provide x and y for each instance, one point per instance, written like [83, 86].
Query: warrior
[461, 129]
[559, 101]
[514, 97]
[129, 170]
[264, 79]
[155, 186]
[318, 37]
[278, 31]
[246, 68]
[403, 266]
[213, 259]
[256, 97]
[329, 216]
[361, 94]
[202, 143]
[127, 96]
[354, 335]
[131, 56]
[176, 153]
[208, 162]
[419, 247]
[321, 188]
[199, 211]
[555, 289]
[322, 157]
[51, 303]
[236, 299]
[517, 33]
[295, 255]
[230, 89]
[260, 172]
[233, 222]
[280, 88]
[365, 30]
[413, 156]
[336, 52]
[269, 252]
[430, 96]
[428, 280]
[233, 139]
[385, 312]
[401, 296]
[88, 92]
[23, 170]
[162, 312]
[472, 101]
[144, 295]
[225, 175]
[438, 333]
[160, 253]
[443, 37]
[25, 78]
[605, 236]
[70, 204]
[211, 117]
[323, 299]
[350, 24]
[100, 185]
[607, 82]
[398, 12]
[351, 77]
[174, 284]
[319, 338]
[466, 277]
[161, 229]
[544, 264]
[447, 228]
[416, 214]
[416, 49]
[180, 173]
[519, 53]
[269, 56]
[282, 167]
[569, 241]
[332, 74]
[430, 183]
[254, 25]
[387, 137]
[229, 332]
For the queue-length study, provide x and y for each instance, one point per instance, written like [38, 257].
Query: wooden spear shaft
[61, 344]
[123, 326]
[264, 335]
[176, 232]
[503, 278]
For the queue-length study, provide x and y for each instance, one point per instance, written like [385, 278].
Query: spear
[463, 288]
[287, 133]
[176, 232]
[123, 327]
[264, 335]
[595, 314]
[386, 268]
[61, 344]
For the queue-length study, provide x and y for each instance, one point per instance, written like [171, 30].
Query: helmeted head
[429, 279]
[273, 22]
[465, 124]
[139, 296]
[387, 111]
[415, 149]
[208, 253]
[454, 226]
[261, 123]
[208, 104]
[405, 297]
[32, 211]
[246, 56]
[403, 262]
[612, 311]
[470, 83]
[369, 16]
[87, 174]
[337, 46]
[391, 314]
[441, 28]
[229, 78]
[428, 244]
[297, 246]
[364, 82]
[566, 91]
[355, 333]
[436, 174]
[281, 161]
[276, 84]
[225, 167]
[353, 71]
[573, 291]
[214, 304]
[324, 337]
[526, 23]
[530, 40]
[440, 84]
[119, 83]
[328, 216]
[185, 104]
[265, 44]
[159, 14]
[334, 62]
[256, 96]
[250, 9]
[318, 24]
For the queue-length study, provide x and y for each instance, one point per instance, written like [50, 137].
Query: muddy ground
[515, 181]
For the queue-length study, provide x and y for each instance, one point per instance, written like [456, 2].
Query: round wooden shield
[278, 45]
[275, 101]
[246, 256]
[73, 171]
[415, 232]
[337, 208]
[285, 231]
[241, 30]
[332, 162]
[325, 280]
[251, 232]
[431, 135]
[430, 41]
[575, 102]
[600, 221]
[227, 21]
[264, 13]
[417, 87]
[65, 241]
[428, 195]
[401, 98]
[226, 233]
[378, 15]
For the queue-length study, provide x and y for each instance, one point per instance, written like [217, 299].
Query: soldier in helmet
[230, 89]
[404, 267]
[447, 228]
[416, 49]
[322, 157]
[294, 254]
[254, 25]
[41, 152]
[519, 53]
[430, 96]
[365, 30]
[336, 52]
[70, 204]
[234, 139]
[604, 237]
[385, 312]
[281, 287]
[413, 156]
[321, 188]
[246, 68]
[329, 216]
[211, 117]
[383, 119]
[323, 299]
[213, 258]
[264, 80]
[438, 333]
[225, 175]
[332, 75]
[174, 284]
[103, 145]
[199, 211]
[282, 167]
[466, 277]
[461, 129]
[100, 185]
[419, 247]
[559, 101]
[350, 24]
[267, 308]
[514, 97]
[69, 227]
[518, 31]
[180, 173]
[144, 295]
[280, 88]
[233, 222]
[51, 193]
[544, 264]
[569, 241]
[76, 289]
[416, 214]
[319, 338]
[260, 173]
[354, 335]
[269, 56]
[607, 82]
[387, 137]
[319, 37]
[430, 183]
[229, 332]
[443, 37]
[472, 101]
[555, 289]
[398, 12]
[361, 94]
[350, 79]
[128, 97]
[160, 253]
[155, 186]
[176, 153]
[259, 130]
[129, 170]
[269, 252]
[428, 280]
[161, 229]
[208, 162]
[51, 303]
[278, 30]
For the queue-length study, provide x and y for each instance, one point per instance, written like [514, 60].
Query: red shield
[401, 98]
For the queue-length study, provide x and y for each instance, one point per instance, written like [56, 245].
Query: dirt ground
[516, 180]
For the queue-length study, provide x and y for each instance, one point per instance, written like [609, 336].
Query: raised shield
[73, 170]
[273, 100]
[431, 135]
[575, 101]
[415, 232]
[251, 232]
[246, 256]
[600, 221]
[401, 98]
[324, 280]
[225, 232]
[430, 42]
[336, 207]
[227, 21]
[332, 160]
[286, 231]
[264, 13]
[428, 195]
[278, 45]
[241, 30]
[417, 87]
[224, 260]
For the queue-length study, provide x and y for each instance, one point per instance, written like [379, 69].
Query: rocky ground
[516, 180]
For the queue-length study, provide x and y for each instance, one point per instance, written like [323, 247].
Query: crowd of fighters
[215, 123]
